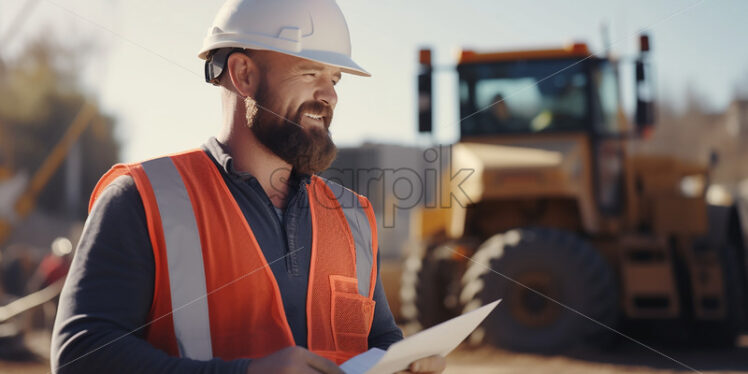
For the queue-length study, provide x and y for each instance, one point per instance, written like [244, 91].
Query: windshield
[523, 97]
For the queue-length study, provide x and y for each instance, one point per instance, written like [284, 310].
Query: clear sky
[144, 68]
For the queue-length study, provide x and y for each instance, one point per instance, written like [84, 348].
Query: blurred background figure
[499, 118]
[54, 266]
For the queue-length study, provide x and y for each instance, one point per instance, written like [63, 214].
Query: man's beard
[309, 150]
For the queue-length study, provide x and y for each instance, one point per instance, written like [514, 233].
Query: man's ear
[244, 73]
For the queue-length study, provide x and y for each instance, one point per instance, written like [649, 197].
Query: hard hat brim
[345, 63]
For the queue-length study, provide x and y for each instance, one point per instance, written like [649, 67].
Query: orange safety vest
[203, 245]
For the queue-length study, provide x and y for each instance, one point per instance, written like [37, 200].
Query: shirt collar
[220, 153]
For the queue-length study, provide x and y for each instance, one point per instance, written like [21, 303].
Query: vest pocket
[351, 315]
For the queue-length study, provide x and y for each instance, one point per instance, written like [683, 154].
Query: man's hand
[293, 360]
[433, 364]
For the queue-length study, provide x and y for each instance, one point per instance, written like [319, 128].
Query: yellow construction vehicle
[562, 218]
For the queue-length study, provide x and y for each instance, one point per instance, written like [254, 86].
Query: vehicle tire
[578, 300]
[430, 288]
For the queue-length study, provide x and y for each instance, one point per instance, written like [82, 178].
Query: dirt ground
[625, 358]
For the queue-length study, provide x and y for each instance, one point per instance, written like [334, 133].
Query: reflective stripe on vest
[191, 317]
[185, 260]
[359, 225]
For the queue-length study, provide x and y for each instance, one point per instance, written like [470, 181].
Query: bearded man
[236, 257]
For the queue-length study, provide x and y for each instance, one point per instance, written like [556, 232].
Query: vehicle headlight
[692, 185]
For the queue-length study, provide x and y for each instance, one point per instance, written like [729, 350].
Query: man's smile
[313, 119]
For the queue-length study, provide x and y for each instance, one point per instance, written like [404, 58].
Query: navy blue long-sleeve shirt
[105, 302]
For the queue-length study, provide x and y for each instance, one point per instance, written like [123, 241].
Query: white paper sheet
[438, 340]
[363, 362]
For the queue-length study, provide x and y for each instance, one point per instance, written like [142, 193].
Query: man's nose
[326, 93]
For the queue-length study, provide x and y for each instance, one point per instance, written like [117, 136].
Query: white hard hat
[310, 29]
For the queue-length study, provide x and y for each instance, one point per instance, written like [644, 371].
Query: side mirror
[425, 93]
[644, 102]
[645, 107]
